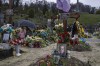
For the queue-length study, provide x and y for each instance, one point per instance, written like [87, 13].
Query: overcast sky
[93, 3]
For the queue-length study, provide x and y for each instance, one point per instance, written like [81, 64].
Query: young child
[15, 41]
[17, 46]
[22, 34]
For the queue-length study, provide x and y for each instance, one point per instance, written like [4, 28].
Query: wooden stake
[65, 25]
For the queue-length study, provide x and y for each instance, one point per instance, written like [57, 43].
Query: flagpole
[77, 5]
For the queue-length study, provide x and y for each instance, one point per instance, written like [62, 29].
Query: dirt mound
[64, 62]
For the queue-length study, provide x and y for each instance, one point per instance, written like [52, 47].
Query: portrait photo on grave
[61, 48]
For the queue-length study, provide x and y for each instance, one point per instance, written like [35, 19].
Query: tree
[87, 8]
[0, 3]
[54, 9]
[98, 11]
[3, 1]
[82, 7]
[45, 9]
[31, 13]
[93, 10]
[16, 3]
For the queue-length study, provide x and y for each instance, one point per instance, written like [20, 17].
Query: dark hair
[78, 15]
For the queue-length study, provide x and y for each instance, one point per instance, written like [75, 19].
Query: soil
[31, 55]
[65, 62]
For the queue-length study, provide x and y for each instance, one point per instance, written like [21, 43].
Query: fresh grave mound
[63, 62]
[79, 47]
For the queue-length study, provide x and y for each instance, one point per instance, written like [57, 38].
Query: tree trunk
[10, 7]
[0, 4]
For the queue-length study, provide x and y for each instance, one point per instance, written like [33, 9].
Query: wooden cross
[74, 15]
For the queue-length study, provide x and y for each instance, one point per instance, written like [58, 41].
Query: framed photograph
[6, 37]
[62, 49]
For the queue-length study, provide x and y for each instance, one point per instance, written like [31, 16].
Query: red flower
[71, 42]
[64, 37]
[15, 41]
[66, 33]
[59, 41]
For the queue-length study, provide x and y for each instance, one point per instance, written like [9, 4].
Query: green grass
[84, 19]
[18, 17]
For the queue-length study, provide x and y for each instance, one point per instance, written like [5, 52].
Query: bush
[31, 13]
[98, 12]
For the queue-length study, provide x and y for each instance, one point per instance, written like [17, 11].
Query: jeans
[17, 48]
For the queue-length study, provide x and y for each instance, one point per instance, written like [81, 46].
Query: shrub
[98, 12]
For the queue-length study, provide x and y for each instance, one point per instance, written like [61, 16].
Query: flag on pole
[64, 5]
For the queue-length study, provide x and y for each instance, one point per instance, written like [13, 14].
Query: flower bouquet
[15, 41]
[53, 37]
[59, 28]
[63, 37]
[6, 27]
[40, 40]
[33, 41]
